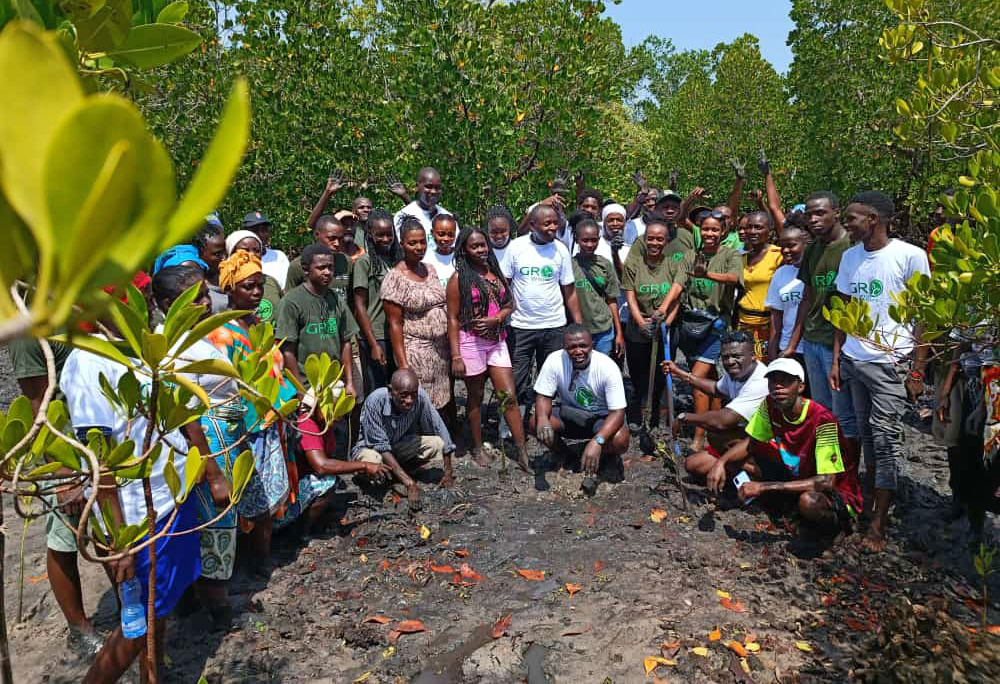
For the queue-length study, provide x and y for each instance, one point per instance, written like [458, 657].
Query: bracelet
[916, 375]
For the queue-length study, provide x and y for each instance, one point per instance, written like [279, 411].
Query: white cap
[786, 365]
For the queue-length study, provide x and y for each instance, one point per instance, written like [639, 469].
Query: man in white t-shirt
[874, 270]
[273, 261]
[591, 407]
[426, 206]
[742, 388]
[541, 277]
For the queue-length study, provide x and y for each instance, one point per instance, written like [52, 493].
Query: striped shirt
[384, 425]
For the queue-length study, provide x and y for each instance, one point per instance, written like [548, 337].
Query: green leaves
[173, 13]
[243, 468]
[153, 45]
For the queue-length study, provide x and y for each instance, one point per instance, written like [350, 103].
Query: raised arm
[736, 194]
[773, 199]
[334, 183]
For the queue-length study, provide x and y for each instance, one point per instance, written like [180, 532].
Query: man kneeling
[592, 404]
[400, 426]
[796, 449]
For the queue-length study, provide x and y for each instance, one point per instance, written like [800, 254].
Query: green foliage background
[501, 96]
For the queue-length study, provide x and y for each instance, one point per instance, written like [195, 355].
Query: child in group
[443, 230]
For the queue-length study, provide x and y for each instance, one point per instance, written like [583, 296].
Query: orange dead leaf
[533, 575]
[657, 515]
[405, 627]
[461, 553]
[380, 619]
[598, 566]
[500, 628]
[442, 568]
[737, 648]
[734, 606]
[670, 645]
[573, 588]
[650, 663]
[993, 629]
[715, 634]
[857, 625]
[469, 574]
[39, 578]
[828, 600]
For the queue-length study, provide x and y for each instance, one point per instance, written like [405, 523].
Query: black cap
[255, 218]
[669, 195]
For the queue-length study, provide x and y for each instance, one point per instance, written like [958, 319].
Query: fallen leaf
[500, 628]
[577, 630]
[425, 532]
[803, 646]
[670, 644]
[700, 650]
[652, 662]
[993, 629]
[737, 648]
[752, 646]
[684, 519]
[715, 634]
[380, 619]
[442, 568]
[657, 515]
[828, 600]
[722, 594]
[857, 625]
[745, 566]
[469, 574]
[598, 566]
[39, 578]
[734, 606]
[384, 565]
[388, 653]
[745, 665]
[444, 542]
[363, 558]
[410, 626]
[461, 553]
[533, 575]
[872, 586]
[363, 677]
[573, 588]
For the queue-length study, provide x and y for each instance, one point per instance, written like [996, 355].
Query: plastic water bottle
[133, 612]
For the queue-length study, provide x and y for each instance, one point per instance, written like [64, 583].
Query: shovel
[646, 444]
[675, 448]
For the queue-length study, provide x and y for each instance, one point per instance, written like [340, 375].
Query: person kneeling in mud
[795, 449]
[742, 387]
[400, 426]
[592, 405]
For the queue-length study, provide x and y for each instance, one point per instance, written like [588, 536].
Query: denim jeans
[819, 360]
[603, 342]
[879, 403]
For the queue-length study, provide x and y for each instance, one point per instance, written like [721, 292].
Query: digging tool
[675, 448]
[646, 441]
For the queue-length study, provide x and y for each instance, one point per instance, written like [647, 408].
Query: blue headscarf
[175, 256]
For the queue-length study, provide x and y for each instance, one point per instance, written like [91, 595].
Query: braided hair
[502, 212]
[469, 278]
[381, 263]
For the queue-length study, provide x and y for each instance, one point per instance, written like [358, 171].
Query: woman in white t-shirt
[784, 294]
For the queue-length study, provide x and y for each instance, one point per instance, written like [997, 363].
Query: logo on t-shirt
[324, 329]
[537, 272]
[265, 310]
[678, 256]
[870, 290]
[793, 296]
[702, 285]
[824, 281]
[584, 397]
[584, 284]
[654, 288]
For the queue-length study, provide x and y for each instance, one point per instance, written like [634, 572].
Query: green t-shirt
[342, 266]
[268, 306]
[364, 276]
[315, 323]
[650, 285]
[703, 293]
[28, 360]
[684, 241]
[594, 307]
[732, 240]
[818, 269]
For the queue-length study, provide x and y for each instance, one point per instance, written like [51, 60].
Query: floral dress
[425, 329]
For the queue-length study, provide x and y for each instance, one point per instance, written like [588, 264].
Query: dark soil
[817, 614]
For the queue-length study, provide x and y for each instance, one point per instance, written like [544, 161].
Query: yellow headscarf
[237, 268]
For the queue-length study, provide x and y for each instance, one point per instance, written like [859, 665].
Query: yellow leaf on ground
[363, 558]
[752, 646]
[722, 594]
[744, 566]
[387, 653]
[715, 634]
[700, 650]
[652, 662]
[803, 646]
[745, 665]
[363, 678]
[657, 515]
[573, 588]
[425, 532]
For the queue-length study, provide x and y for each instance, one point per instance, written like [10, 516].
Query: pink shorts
[478, 353]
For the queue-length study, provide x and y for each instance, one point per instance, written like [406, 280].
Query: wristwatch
[600, 440]
[681, 417]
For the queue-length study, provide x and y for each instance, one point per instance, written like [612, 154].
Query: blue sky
[705, 23]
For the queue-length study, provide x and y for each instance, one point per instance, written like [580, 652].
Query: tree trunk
[6, 674]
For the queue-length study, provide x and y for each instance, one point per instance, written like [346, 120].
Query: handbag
[696, 324]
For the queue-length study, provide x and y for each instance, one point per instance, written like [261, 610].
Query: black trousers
[376, 375]
[530, 348]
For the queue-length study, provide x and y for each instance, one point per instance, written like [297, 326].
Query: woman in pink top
[479, 304]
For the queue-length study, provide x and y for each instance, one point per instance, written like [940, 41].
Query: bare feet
[874, 540]
[482, 457]
[522, 461]
[448, 481]
[413, 495]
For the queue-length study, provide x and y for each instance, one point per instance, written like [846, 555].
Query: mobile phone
[742, 477]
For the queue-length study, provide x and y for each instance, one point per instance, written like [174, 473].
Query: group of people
[576, 314]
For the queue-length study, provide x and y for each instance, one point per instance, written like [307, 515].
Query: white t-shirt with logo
[598, 388]
[442, 263]
[80, 383]
[745, 397]
[536, 274]
[874, 277]
[500, 253]
[275, 264]
[784, 294]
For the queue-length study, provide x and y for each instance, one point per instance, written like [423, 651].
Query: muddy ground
[614, 587]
